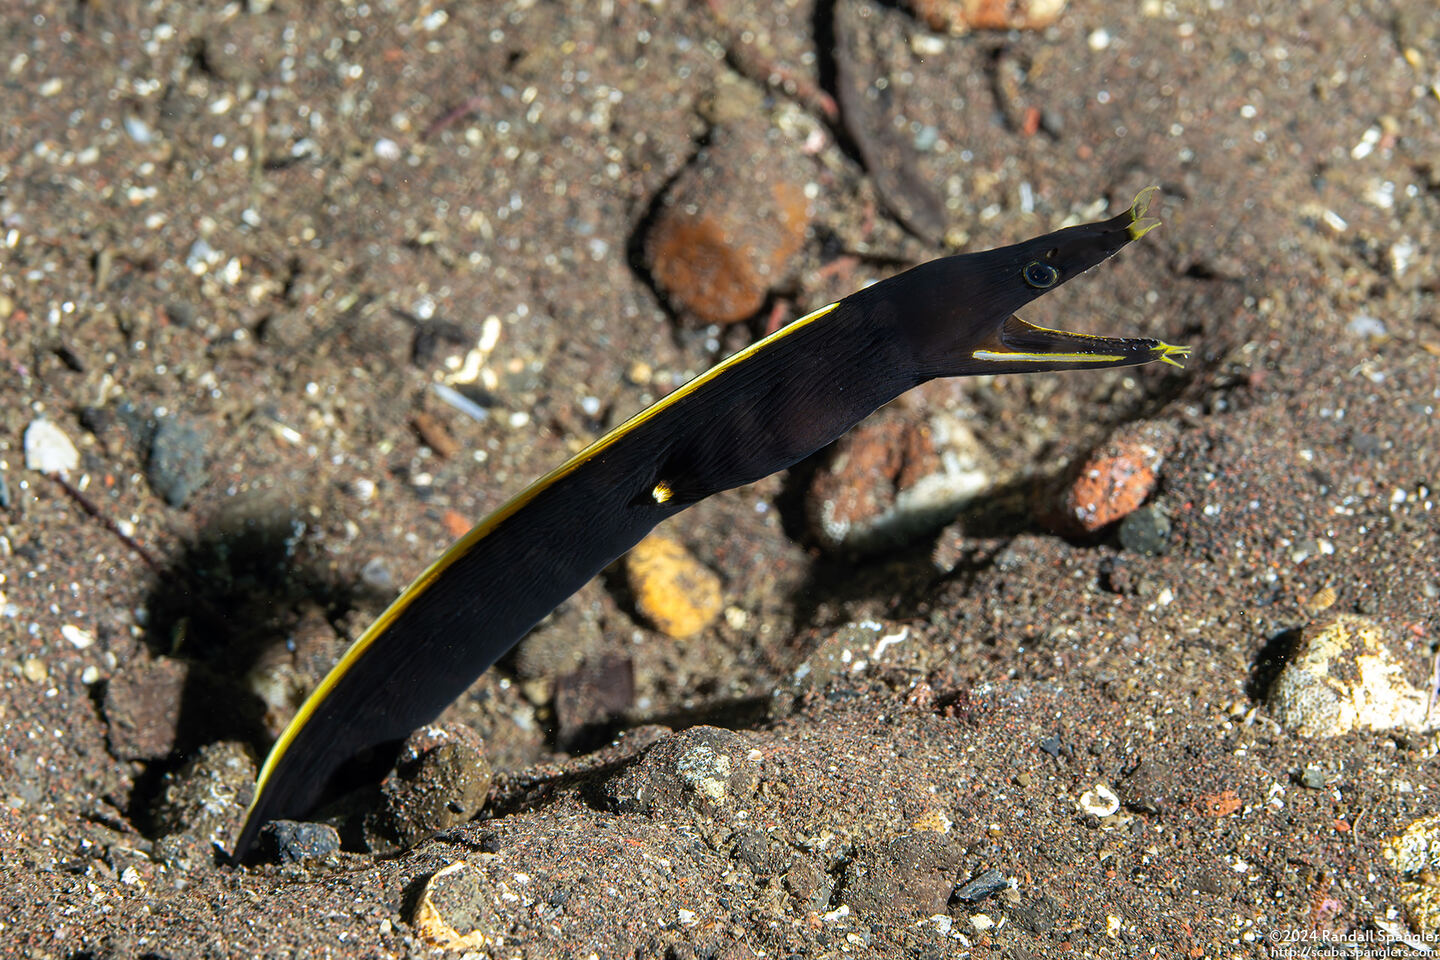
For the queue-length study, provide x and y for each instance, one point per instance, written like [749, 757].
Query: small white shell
[48, 450]
[1100, 801]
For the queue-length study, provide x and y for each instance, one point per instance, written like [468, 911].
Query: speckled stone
[142, 708]
[890, 481]
[905, 878]
[1146, 531]
[291, 841]
[1113, 481]
[457, 908]
[704, 768]
[441, 778]
[1415, 855]
[206, 798]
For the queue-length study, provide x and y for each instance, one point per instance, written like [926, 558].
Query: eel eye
[1040, 275]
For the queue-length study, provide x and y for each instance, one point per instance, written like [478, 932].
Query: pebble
[810, 885]
[376, 575]
[435, 435]
[732, 100]
[1114, 480]
[704, 768]
[674, 592]
[764, 856]
[1146, 531]
[441, 779]
[138, 129]
[1321, 600]
[284, 673]
[849, 650]
[1149, 788]
[983, 885]
[1366, 326]
[34, 670]
[290, 841]
[1220, 804]
[1341, 677]
[80, 639]
[176, 465]
[461, 402]
[728, 227]
[48, 449]
[889, 482]
[456, 908]
[961, 16]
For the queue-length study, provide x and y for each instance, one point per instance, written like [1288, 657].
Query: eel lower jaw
[1171, 354]
[1019, 341]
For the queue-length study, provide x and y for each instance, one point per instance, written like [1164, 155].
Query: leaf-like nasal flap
[1139, 223]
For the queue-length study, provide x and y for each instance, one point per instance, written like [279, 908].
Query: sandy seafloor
[266, 231]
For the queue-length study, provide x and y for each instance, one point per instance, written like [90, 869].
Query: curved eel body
[758, 412]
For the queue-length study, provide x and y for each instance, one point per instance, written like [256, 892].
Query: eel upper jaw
[1073, 250]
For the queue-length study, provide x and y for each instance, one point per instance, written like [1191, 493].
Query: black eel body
[758, 412]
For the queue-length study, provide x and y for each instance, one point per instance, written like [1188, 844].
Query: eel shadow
[231, 598]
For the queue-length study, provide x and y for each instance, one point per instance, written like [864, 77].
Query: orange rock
[959, 16]
[1111, 486]
[455, 523]
[891, 480]
[858, 484]
[673, 591]
[1115, 480]
[728, 227]
[1220, 804]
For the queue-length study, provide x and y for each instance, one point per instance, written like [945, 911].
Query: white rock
[1415, 855]
[48, 450]
[1343, 677]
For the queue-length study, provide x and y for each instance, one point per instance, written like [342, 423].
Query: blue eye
[1040, 275]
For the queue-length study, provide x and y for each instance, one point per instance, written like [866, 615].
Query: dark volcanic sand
[240, 243]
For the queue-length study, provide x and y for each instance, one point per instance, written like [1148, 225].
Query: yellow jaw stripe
[1045, 357]
[1165, 352]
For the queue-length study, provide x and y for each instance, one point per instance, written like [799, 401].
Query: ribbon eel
[757, 412]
